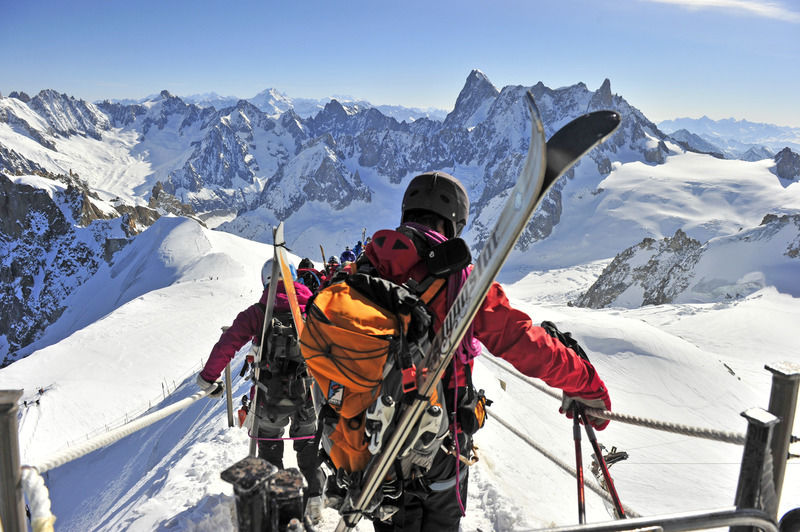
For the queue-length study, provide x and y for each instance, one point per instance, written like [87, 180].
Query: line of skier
[315, 278]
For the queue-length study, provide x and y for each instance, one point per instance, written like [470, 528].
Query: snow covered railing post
[267, 499]
[782, 404]
[756, 488]
[12, 507]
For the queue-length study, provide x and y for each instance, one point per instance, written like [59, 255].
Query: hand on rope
[598, 400]
[214, 389]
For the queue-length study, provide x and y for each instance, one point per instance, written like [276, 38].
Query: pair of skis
[544, 164]
[280, 271]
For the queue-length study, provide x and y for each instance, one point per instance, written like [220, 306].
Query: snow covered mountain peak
[473, 102]
[271, 102]
[242, 169]
[67, 116]
[602, 98]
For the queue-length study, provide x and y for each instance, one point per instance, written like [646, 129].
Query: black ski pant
[431, 506]
[271, 424]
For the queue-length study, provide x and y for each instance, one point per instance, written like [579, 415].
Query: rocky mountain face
[220, 159]
[55, 233]
[651, 271]
[680, 269]
[487, 131]
[787, 165]
[239, 159]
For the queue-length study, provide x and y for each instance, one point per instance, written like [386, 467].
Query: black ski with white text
[544, 164]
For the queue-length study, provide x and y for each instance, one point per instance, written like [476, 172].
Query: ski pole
[598, 452]
[576, 434]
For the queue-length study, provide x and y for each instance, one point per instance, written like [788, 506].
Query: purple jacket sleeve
[246, 325]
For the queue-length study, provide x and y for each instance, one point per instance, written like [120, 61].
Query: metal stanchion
[756, 488]
[229, 394]
[12, 506]
[783, 405]
[267, 498]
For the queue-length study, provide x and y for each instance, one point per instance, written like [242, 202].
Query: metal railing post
[286, 496]
[12, 506]
[268, 499]
[250, 479]
[756, 489]
[782, 404]
[229, 394]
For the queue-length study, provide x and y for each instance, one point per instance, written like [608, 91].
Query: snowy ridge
[182, 282]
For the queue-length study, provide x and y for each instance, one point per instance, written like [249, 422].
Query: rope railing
[166, 390]
[38, 500]
[33, 484]
[677, 428]
[115, 435]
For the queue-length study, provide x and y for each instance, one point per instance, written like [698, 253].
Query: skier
[310, 276]
[347, 255]
[284, 393]
[332, 266]
[435, 208]
[305, 263]
[359, 247]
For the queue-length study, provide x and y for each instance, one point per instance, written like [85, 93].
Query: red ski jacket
[246, 326]
[510, 334]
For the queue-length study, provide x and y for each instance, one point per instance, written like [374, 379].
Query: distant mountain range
[275, 103]
[85, 179]
[735, 139]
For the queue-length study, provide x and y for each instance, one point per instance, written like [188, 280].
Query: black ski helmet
[441, 194]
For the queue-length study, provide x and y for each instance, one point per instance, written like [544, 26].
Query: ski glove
[215, 388]
[598, 400]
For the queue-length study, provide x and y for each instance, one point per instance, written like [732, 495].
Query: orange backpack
[362, 341]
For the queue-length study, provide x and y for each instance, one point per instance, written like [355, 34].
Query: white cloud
[772, 10]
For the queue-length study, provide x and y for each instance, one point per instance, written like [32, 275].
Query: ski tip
[535, 114]
[603, 122]
[587, 130]
[613, 118]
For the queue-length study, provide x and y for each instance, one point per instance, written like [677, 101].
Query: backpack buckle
[410, 379]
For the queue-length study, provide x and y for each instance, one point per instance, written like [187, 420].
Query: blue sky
[669, 58]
